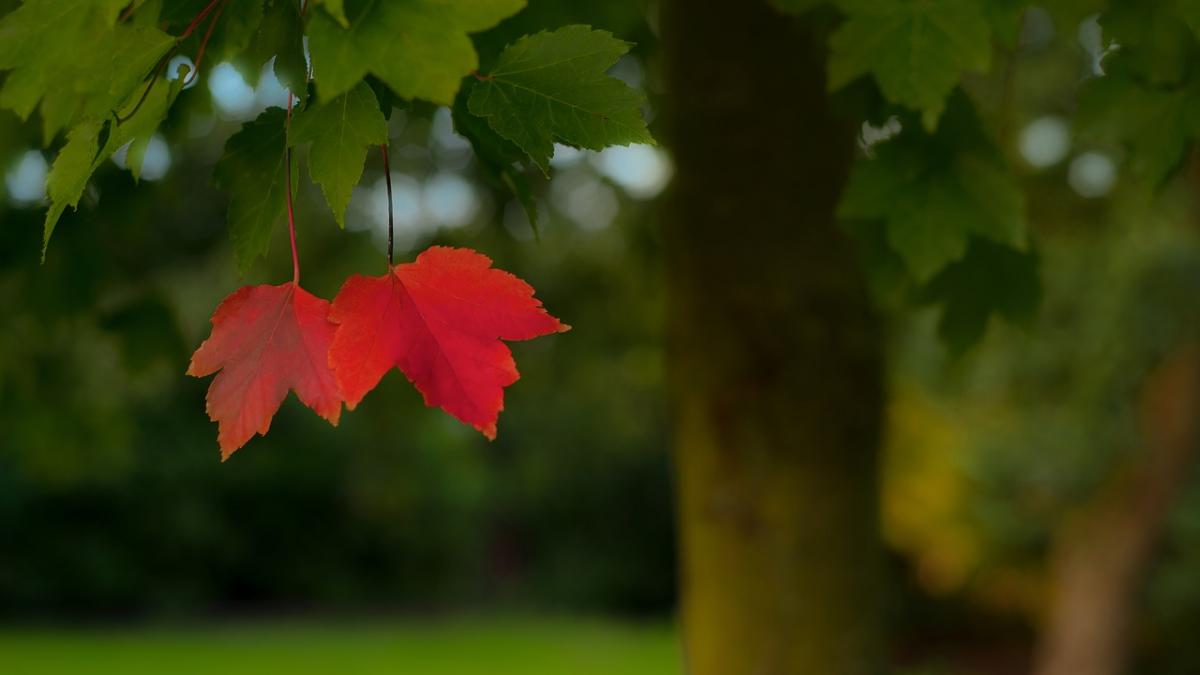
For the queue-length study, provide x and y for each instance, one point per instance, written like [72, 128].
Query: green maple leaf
[388, 100]
[69, 176]
[129, 55]
[280, 35]
[341, 132]
[497, 155]
[238, 24]
[253, 170]
[336, 9]
[42, 42]
[44, 28]
[552, 87]
[916, 50]
[1155, 41]
[419, 48]
[142, 124]
[94, 140]
[990, 280]
[1189, 11]
[931, 210]
[1154, 124]
[934, 193]
[1004, 16]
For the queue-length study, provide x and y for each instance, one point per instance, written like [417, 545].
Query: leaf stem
[290, 213]
[387, 177]
[196, 21]
[204, 44]
[127, 12]
[162, 63]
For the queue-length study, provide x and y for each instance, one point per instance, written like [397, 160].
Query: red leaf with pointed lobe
[440, 320]
[266, 340]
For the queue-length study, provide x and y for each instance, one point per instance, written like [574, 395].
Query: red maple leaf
[266, 340]
[440, 320]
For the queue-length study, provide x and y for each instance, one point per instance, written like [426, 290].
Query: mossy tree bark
[774, 354]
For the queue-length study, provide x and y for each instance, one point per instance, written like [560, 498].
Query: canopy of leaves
[42, 42]
[366, 58]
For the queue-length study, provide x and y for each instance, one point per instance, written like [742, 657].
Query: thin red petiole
[387, 177]
[196, 21]
[162, 63]
[204, 43]
[290, 215]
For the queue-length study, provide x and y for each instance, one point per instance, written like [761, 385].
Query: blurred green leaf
[916, 50]
[934, 193]
[1154, 124]
[990, 279]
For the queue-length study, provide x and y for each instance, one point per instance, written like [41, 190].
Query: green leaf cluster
[941, 201]
[107, 59]
[933, 206]
[1148, 101]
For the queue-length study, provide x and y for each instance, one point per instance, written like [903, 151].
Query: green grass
[504, 646]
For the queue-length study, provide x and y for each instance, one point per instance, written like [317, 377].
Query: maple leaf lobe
[439, 320]
[265, 341]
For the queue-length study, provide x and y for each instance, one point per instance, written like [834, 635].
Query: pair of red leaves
[439, 319]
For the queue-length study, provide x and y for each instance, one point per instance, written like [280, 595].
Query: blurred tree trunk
[774, 354]
[1101, 554]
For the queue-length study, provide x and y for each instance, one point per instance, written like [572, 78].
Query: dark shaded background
[113, 503]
